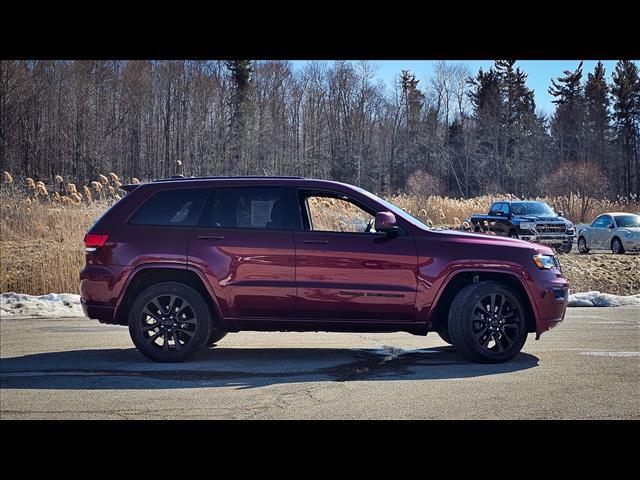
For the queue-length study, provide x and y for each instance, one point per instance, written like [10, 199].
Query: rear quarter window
[176, 207]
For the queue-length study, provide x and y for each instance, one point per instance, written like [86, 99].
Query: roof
[618, 213]
[260, 180]
[221, 177]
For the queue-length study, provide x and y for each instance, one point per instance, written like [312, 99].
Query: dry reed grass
[41, 248]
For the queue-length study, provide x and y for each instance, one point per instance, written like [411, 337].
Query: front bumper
[551, 299]
[547, 239]
[631, 244]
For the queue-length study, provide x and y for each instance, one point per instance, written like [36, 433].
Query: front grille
[542, 228]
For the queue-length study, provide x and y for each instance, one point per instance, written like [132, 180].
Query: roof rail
[215, 177]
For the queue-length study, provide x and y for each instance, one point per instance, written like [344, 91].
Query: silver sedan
[618, 231]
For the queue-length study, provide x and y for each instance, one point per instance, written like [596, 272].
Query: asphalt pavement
[586, 368]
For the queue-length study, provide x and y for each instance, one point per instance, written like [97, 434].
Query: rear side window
[263, 208]
[179, 207]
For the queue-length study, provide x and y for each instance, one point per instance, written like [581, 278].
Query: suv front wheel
[487, 323]
[169, 322]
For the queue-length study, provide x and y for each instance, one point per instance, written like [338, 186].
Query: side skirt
[315, 325]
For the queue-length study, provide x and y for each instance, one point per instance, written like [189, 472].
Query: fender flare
[460, 270]
[168, 266]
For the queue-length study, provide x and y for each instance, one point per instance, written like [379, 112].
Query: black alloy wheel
[488, 322]
[169, 322]
[496, 322]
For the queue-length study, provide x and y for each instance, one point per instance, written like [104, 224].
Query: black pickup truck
[531, 221]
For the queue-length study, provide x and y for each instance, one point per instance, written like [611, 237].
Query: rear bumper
[100, 287]
[101, 313]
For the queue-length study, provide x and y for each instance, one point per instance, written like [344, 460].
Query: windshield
[627, 220]
[392, 208]
[531, 208]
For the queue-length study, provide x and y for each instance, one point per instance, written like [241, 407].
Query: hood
[536, 218]
[490, 240]
[634, 230]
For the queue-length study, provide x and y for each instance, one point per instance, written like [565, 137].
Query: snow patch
[597, 299]
[52, 305]
[58, 305]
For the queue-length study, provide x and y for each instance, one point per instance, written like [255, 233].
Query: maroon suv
[183, 261]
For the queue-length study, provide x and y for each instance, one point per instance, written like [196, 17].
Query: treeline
[461, 133]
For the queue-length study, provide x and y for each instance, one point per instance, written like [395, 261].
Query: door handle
[316, 242]
[210, 237]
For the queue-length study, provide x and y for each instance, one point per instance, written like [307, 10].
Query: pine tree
[567, 123]
[241, 71]
[412, 102]
[596, 100]
[518, 115]
[626, 114]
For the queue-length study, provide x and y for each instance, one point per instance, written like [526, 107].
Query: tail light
[92, 242]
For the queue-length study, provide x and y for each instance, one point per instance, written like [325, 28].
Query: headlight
[545, 262]
[569, 226]
[528, 225]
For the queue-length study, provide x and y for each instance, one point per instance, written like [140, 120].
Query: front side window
[177, 207]
[602, 222]
[247, 207]
[335, 214]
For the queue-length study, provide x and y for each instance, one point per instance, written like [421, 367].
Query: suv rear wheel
[215, 337]
[487, 323]
[169, 322]
[444, 335]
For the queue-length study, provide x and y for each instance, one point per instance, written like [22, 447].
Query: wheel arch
[146, 276]
[439, 313]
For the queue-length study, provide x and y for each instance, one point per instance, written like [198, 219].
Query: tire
[582, 245]
[564, 248]
[154, 322]
[513, 234]
[497, 339]
[444, 335]
[616, 246]
[215, 337]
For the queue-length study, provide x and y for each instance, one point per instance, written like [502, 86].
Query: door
[503, 224]
[496, 218]
[344, 269]
[599, 232]
[244, 244]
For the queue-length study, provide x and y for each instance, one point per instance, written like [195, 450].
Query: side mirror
[386, 222]
[611, 225]
[560, 213]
